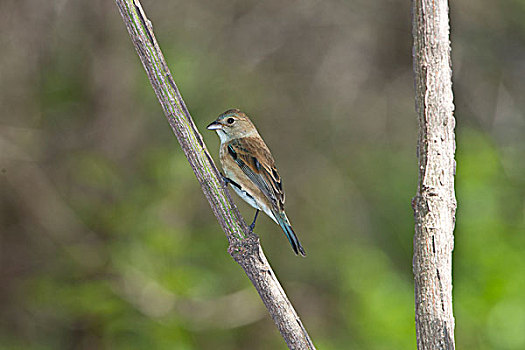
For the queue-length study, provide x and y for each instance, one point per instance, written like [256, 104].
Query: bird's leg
[252, 226]
[225, 179]
[228, 181]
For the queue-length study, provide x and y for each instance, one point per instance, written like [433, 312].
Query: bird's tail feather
[290, 234]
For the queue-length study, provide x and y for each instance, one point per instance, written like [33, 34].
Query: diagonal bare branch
[243, 245]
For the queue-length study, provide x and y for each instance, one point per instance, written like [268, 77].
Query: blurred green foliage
[108, 243]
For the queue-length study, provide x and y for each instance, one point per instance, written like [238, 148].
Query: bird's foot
[225, 179]
[252, 226]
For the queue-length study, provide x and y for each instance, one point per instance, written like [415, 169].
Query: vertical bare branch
[243, 245]
[435, 203]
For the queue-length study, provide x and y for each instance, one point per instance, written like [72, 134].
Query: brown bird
[249, 167]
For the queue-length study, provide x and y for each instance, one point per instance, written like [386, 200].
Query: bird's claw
[252, 226]
[225, 180]
[228, 181]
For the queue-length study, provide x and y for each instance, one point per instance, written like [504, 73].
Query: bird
[250, 169]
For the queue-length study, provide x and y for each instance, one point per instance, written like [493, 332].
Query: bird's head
[233, 124]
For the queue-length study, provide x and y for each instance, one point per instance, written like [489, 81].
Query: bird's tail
[283, 221]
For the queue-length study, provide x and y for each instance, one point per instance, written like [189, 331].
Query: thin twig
[243, 245]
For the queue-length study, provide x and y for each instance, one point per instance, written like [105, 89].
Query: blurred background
[107, 242]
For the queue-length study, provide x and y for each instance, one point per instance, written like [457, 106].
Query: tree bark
[435, 203]
[244, 245]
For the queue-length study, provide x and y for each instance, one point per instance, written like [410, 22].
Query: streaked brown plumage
[250, 167]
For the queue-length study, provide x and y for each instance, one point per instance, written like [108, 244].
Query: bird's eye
[230, 120]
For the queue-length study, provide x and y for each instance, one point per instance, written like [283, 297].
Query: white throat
[226, 138]
[222, 135]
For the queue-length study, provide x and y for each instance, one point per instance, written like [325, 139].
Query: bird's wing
[255, 160]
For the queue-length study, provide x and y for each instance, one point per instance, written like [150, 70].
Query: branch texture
[435, 203]
[243, 245]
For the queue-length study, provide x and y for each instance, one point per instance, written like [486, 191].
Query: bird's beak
[214, 126]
